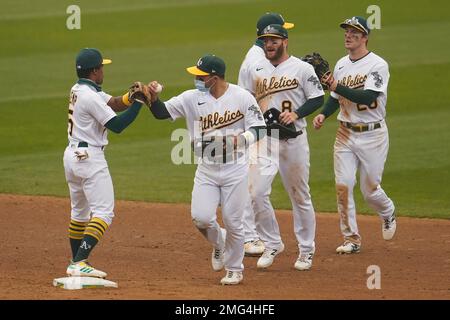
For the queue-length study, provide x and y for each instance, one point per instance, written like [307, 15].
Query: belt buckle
[359, 127]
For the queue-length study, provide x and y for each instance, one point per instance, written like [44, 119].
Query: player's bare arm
[117, 104]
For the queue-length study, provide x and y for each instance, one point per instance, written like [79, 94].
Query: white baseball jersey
[365, 152]
[88, 114]
[224, 184]
[89, 180]
[285, 87]
[368, 73]
[233, 113]
[254, 54]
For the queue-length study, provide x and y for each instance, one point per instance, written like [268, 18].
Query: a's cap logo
[199, 62]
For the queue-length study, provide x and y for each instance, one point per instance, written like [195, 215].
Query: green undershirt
[365, 97]
[330, 107]
[123, 120]
[309, 106]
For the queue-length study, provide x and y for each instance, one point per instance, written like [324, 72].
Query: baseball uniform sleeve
[176, 106]
[98, 109]
[253, 115]
[378, 78]
[244, 77]
[105, 97]
[335, 75]
[310, 83]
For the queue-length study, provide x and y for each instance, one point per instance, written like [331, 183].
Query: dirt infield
[154, 252]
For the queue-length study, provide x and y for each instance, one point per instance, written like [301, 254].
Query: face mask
[200, 85]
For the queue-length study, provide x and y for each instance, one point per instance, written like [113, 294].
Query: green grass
[158, 39]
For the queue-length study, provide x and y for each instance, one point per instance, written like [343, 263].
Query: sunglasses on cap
[354, 22]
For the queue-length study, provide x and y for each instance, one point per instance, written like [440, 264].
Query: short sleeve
[105, 97]
[252, 112]
[310, 83]
[98, 109]
[176, 106]
[378, 78]
[244, 80]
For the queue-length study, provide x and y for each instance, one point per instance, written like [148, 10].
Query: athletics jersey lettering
[353, 82]
[216, 121]
[266, 86]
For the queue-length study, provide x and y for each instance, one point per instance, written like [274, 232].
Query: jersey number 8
[286, 105]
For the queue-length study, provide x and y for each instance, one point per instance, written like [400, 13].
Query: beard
[277, 55]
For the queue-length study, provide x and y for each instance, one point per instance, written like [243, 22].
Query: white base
[75, 283]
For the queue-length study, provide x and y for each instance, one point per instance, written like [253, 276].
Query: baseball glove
[274, 126]
[321, 67]
[139, 92]
[216, 148]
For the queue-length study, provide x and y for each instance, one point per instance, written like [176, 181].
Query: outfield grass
[156, 40]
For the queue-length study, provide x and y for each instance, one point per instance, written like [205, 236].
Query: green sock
[76, 234]
[84, 250]
[74, 245]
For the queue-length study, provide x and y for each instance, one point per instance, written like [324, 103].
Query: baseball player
[253, 245]
[227, 117]
[290, 86]
[359, 88]
[91, 112]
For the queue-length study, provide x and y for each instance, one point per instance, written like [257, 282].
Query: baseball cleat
[254, 248]
[217, 259]
[389, 226]
[304, 262]
[84, 269]
[232, 277]
[268, 256]
[348, 247]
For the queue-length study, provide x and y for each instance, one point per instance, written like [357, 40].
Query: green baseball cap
[208, 65]
[89, 58]
[274, 30]
[359, 23]
[271, 18]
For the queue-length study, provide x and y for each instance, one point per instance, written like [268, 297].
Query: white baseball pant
[366, 152]
[227, 185]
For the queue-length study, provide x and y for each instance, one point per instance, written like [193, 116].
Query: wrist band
[125, 99]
